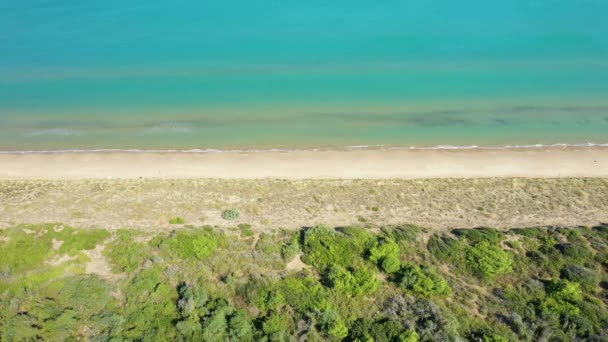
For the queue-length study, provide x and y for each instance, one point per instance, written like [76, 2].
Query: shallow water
[254, 74]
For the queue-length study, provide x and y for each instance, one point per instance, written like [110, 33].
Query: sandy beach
[434, 188]
[356, 164]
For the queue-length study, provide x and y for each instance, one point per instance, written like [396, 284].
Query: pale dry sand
[269, 204]
[359, 164]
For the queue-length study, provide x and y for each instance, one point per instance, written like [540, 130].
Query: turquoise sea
[259, 74]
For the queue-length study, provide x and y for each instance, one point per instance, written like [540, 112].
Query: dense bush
[487, 261]
[305, 294]
[424, 281]
[585, 276]
[324, 247]
[198, 243]
[476, 235]
[355, 282]
[382, 330]
[124, 253]
[385, 253]
[447, 249]
[406, 233]
[200, 284]
[562, 298]
[26, 247]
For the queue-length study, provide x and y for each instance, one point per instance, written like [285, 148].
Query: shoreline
[381, 147]
[545, 162]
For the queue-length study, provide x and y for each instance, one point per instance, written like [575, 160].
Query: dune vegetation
[368, 283]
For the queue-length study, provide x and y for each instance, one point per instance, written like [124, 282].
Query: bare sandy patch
[61, 259]
[99, 265]
[296, 264]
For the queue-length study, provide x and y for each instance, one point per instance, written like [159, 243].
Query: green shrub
[230, 214]
[476, 235]
[355, 282]
[150, 307]
[305, 294]
[276, 326]
[25, 251]
[22, 251]
[424, 281]
[246, 230]
[382, 330]
[324, 247]
[513, 244]
[487, 261]
[583, 275]
[385, 254]
[447, 249]
[268, 244]
[390, 264]
[177, 220]
[199, 243]
[359, 237]
[602, 231]
[575, 251]
[87, 294]
[528, 232]
[76, 241]
[240, 327]
[124, 253]
[290, 249]
[262, 294]
[562, 298]
[405, 233]
[333, 325]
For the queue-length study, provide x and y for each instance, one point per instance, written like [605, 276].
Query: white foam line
[347, 148]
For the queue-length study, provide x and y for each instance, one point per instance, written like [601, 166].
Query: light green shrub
[487, 261]
[385, 254]
[355, 282]
[177, 220]
[424, 281]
